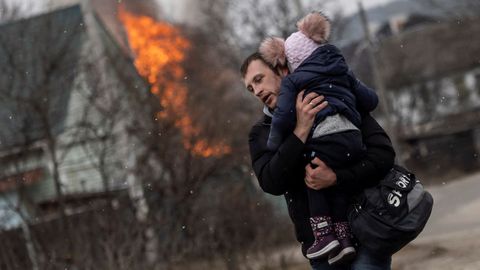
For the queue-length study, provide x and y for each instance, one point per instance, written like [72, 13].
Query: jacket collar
[267, 111]
[268, 115]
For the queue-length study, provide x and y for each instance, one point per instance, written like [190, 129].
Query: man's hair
[255, 56]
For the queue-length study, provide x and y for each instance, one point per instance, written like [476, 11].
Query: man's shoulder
[262, 123]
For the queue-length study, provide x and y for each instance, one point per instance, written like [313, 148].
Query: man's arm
[367, 172]
[276, 170]
[376, 163]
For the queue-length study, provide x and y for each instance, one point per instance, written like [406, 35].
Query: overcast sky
[351, 6]
[181, 8]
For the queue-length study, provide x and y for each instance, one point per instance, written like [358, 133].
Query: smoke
[149, 8]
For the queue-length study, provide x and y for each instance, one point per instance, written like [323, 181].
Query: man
[284, 173]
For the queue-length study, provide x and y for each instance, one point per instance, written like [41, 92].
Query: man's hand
[319, 176]
[307, 108]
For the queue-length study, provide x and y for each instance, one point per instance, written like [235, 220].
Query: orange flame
[159, 50]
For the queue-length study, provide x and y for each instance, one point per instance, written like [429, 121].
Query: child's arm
[367, 99]
[283, 120]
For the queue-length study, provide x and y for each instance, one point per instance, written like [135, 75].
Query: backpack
[388, 216]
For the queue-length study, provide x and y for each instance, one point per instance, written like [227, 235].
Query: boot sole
[346, 254]
[324, 251]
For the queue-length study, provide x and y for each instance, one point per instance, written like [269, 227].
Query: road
[451, 238]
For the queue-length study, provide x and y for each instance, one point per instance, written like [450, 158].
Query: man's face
[263, 83]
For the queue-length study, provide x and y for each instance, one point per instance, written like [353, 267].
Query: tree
[193, 146]
[236, 28]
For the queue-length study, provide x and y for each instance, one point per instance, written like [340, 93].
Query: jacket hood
[327, 59]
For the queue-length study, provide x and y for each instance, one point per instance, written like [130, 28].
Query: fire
[159, 50]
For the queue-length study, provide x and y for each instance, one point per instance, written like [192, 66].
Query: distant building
[431, 70]
[401, 23]
[396, 12]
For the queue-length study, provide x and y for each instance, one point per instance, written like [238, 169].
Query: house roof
[430, 52]
[106, 14]
[38, 58]
[422, 53]
[41, 64]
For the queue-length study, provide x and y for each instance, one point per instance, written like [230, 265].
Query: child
[335, 138]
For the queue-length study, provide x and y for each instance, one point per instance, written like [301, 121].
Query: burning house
[76, 84]
[95, 118]
[69, 94]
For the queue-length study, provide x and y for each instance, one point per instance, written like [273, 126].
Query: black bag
[388, 216]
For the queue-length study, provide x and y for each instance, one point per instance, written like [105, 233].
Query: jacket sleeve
[284, 116]
[275, 171]
[367, 99]
[378, 160]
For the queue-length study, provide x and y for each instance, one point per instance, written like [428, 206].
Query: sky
[181, 8]
[351, 6]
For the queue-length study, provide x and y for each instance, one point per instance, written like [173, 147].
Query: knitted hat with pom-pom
[314, 30]
[272, 50]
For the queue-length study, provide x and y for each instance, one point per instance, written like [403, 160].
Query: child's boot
[325, 240]
[346, 252]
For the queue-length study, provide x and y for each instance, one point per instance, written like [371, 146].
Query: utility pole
[379, 83]
[299, 7]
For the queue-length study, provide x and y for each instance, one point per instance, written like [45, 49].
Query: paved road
[456, 207]
[451, 239]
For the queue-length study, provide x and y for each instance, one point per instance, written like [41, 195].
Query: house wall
[425, 101]
[102, 69]
[429, 103]
[81, 149]
[82, 163]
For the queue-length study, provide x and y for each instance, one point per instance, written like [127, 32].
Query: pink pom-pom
[315, 26]
[272, 50]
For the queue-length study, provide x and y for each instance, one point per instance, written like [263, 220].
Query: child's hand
[307, 108]
[318, 175]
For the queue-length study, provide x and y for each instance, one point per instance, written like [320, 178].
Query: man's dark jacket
[282, 172]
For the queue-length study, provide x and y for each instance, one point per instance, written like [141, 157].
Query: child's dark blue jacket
[324, 72]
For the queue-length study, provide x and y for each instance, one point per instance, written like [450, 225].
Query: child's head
[314, 30]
